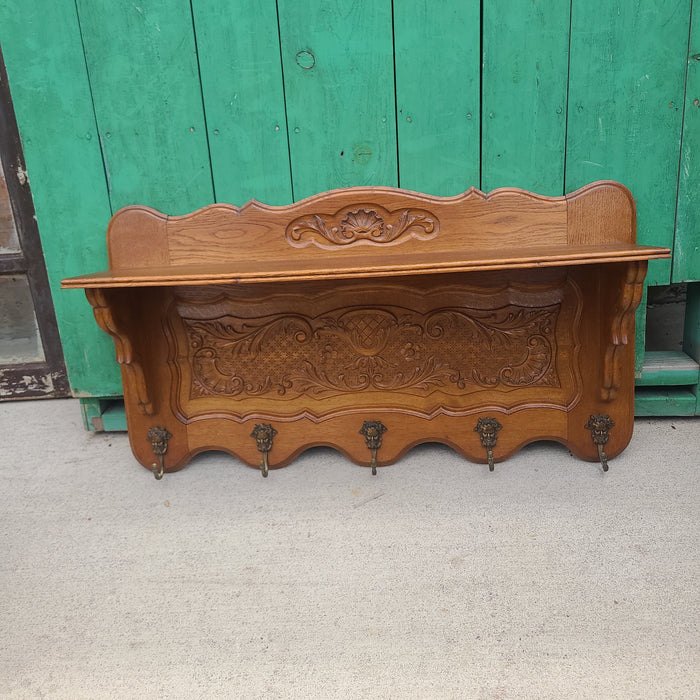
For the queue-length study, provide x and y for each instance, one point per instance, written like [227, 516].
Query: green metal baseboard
[668, 385]
[103, 414]
[657, 401]
[669, 381]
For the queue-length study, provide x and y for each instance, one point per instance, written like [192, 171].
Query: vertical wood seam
[105, 167]
[566, 106]
[680, 149]
[481, 92]
[396, 96]
[284, 101]
[204, 107]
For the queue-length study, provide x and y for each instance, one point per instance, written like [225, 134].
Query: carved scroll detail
[125, 352]
[622, 328]
[454, 350]
[368, 222]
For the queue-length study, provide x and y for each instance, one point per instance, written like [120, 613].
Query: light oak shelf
[392, 265]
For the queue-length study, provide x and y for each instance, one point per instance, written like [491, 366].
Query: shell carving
[362, 223]
[369, 223]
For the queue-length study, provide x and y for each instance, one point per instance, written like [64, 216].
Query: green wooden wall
[180, 103]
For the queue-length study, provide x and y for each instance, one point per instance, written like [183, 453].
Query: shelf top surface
[366, 265]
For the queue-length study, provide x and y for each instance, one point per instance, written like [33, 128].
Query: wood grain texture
[365, 266]
[524, 94]
[132, 372]
[241, 71]
[437, 47]
[626, 91]
[406, 346]
[686, 246]
[46, 68]
[344, 223]
[339, 85]
[371, 232]
[622, 309]
[213, 415]
[144, 78]
[601, 212]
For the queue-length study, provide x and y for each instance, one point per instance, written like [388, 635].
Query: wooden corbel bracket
[126, 357]
[622, 329]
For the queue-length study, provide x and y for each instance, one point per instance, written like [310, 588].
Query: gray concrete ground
[434, 579]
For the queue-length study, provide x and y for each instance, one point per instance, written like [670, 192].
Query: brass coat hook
[264, 434]
[599, 425]
[488, 433]
[158, 437]
[373, 431]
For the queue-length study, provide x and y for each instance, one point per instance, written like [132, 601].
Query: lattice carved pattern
[454, 350]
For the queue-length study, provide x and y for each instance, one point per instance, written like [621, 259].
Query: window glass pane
[9, 242]
[19, 333]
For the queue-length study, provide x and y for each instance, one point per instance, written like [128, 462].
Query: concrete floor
[434, 579]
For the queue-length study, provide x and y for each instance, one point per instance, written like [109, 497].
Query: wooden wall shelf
[374, 319]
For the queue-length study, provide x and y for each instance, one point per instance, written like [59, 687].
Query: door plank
[686, 247]
[438, 67]
[626, 91]
[51, 96]
[143, 72]
[339, 85]
[241, 70]
[525, 57]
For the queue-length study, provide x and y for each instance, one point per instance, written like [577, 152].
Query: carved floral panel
[373, 349]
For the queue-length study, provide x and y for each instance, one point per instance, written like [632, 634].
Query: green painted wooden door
[180, 103]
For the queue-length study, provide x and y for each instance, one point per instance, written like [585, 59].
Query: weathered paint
[691, 332]
[437, 54]
[51, 93]
[239, 60]
[668, 368]
[525, 57]
[640, 327]
[25, 382]
[145, 84]
[338, 66]
[664, 402]
[280, 100]
[626, 86]
[686, 248]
